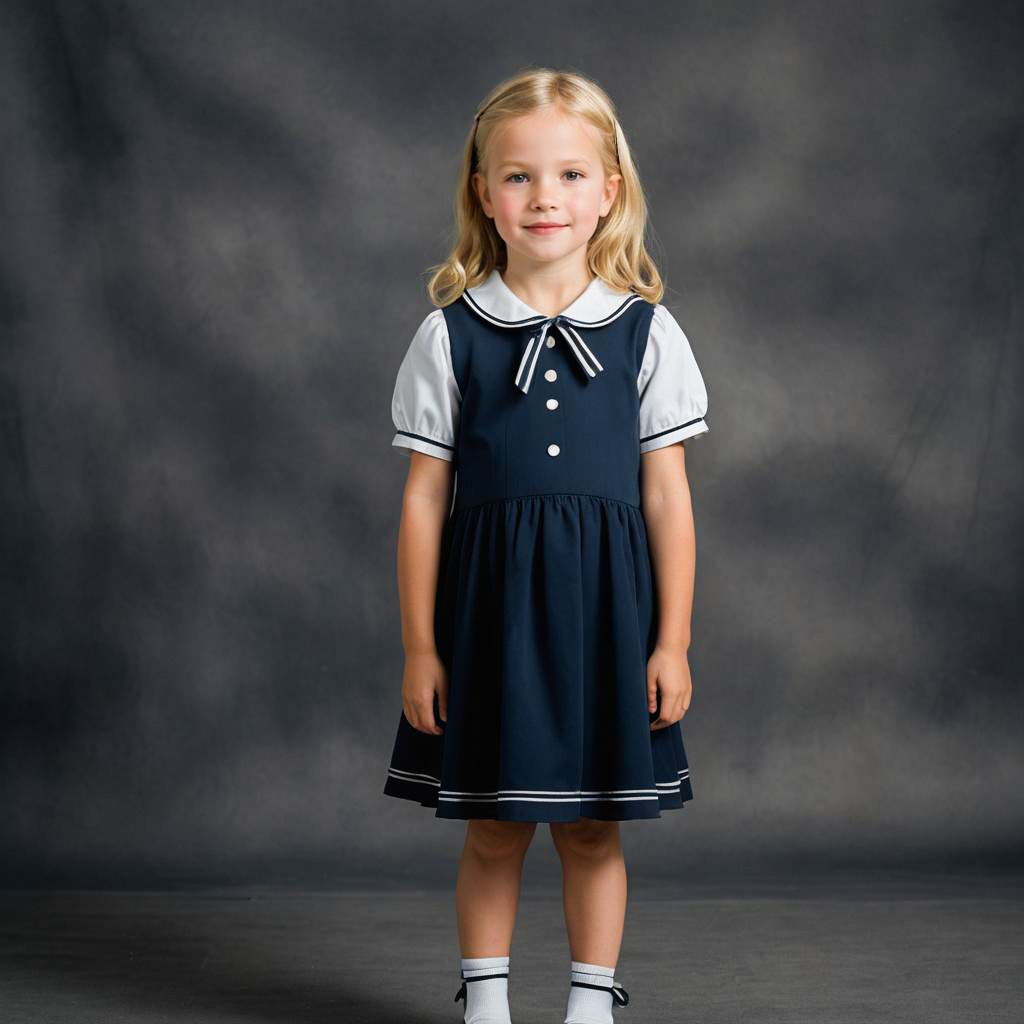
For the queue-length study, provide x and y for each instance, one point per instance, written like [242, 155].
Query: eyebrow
[523, 163]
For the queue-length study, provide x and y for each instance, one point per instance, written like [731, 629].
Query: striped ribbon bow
[578, 346]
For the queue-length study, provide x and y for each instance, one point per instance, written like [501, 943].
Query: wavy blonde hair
[616, 252]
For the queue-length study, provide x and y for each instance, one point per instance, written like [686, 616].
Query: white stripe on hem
[542, 799]
[554, 795]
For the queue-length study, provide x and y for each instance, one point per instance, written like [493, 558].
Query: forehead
[551, 134]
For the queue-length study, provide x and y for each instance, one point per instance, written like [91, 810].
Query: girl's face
[545, 168]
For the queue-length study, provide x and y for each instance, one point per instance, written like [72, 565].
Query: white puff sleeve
[673, 399]
[426, 400]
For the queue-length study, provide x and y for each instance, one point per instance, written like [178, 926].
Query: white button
[552, 403]
[553, 449]
[550, 375]
[550, 342]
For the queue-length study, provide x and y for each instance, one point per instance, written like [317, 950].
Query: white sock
[589, 1005]
[487, 998]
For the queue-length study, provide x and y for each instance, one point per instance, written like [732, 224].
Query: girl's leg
[487, 888]
[593, 888]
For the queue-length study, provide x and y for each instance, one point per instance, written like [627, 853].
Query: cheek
[586, 204]
[506, 207]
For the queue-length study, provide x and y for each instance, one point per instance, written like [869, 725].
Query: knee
[499, 840]
[585, 838]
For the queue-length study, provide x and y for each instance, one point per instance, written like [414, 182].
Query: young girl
[546, 590]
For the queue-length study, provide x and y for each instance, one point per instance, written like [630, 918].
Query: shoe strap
[619, 994]
[461, 994]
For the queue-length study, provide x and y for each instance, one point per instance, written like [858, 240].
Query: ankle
[485, 989]
[592, 993]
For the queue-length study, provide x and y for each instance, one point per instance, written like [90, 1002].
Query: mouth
[544, 229]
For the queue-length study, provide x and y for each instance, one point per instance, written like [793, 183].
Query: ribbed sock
[486, 999]
[590, 1005]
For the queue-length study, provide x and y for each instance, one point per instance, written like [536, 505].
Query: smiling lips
[543, 228]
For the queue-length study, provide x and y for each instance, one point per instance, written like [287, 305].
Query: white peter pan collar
[599, 304]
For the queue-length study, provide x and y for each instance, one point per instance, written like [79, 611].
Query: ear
[611, 190]
[483, 193]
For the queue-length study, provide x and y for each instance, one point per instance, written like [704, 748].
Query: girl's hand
[424, 675]
[668, 671]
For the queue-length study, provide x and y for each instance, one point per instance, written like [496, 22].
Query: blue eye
[520, 174]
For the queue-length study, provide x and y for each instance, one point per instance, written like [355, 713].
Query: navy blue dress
[546, 609]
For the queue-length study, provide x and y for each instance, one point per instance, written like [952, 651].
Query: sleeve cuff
[662, 439]
[404, 441]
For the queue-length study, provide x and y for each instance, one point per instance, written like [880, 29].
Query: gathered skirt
[545, 616]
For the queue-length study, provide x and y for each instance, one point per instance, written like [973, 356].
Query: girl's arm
[426, 503]
[668, 514]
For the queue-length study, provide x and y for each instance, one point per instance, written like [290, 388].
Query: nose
[541, 197]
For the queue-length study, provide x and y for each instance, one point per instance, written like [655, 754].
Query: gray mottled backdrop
[216, 220]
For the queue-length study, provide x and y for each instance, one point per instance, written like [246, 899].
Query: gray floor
[935, 950]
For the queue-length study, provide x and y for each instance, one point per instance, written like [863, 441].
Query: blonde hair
[616, 252]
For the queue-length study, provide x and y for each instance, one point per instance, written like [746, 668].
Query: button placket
[552, 403]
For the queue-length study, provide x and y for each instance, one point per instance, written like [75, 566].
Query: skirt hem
[517, 809]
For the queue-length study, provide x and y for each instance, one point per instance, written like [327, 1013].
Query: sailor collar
[598, 305]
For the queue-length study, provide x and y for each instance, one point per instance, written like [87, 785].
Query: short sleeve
[426, 400]
[673, 399]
